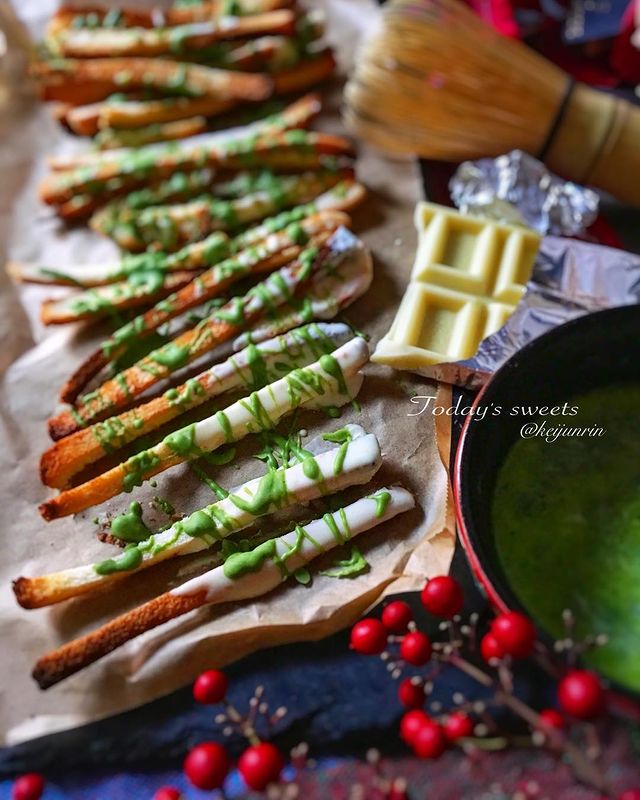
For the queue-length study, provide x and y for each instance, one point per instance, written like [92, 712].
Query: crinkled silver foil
[570, 278]
[517, 188]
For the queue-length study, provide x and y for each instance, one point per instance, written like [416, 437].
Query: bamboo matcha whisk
[436, 82]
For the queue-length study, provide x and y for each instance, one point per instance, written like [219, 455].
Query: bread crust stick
[272, 563]
[177, 188]
[159, 75]
[298, 114]
[252, 367]
[146, 288]
[89, 120]
[293, 150]
[343, 294]
[168, 228]
[196, 256]
[358, 459]
[64, 88]
[96, 16]
[193, 257]
[223, 324]
[140, 290]
[275, 251]
[110, 139]
[333, 380]
[306, 73]
[82, 43]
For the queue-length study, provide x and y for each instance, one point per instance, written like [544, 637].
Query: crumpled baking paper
[35, 363]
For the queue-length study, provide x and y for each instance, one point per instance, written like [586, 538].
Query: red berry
[207, 765]
[369, 636]
[168, 793]
[410, 724]
[416, 648]
[630, 794]
[429, 741]
[551, 718]
[397, 793]
[514, 633]
[411, 695]
[210, 687]
[457, 726]
[442, 597]
[397, 616]
[260, 765]
[580, 693]
[490, 647]
[28, 787]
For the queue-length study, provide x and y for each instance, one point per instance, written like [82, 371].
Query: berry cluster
[207, 765]
[395, 637]
[488, 659]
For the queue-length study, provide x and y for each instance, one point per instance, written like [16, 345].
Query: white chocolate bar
[469, 274]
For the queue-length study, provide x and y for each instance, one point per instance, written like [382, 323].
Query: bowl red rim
[472, 557]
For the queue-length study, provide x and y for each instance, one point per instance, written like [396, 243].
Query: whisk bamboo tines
[435, 81]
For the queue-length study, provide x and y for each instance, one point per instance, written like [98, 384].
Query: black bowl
[592, 351]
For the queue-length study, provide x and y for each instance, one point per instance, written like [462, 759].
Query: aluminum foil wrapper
[570, 278]
[517, 188]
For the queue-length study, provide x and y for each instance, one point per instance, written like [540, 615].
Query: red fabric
[499, 14]
[606, 64]
[625, 56]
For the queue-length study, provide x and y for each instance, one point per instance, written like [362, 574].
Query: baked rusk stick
[305, 73]
[172, 77]
[141, 289]
[278, 249]
[241, 577]
[333, 379]
[201, 12]
[193, 257]
[221, 325]
[182, 291]
[177, 188]
[181, 187]
[168, 228]
[353, 462]
[151, 42]
[111, 139]
[290, 74]
[295, 150]
[324, 297]
[253, 367]
[298, 114]
[350, 283]
[63, 88]
[251, 54]
[89, 120]
[95, 16]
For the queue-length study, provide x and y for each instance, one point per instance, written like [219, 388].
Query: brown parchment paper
[35, 362]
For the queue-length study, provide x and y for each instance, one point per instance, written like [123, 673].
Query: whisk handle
[598, 142]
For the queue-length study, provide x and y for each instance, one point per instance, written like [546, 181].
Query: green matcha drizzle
[129, 526]
[350, 567]
[209, 482]
[137, 467]
[182, 442]
[172, 356]
[271, 492]
[223, 421]
[131, 558]
[381, 499]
